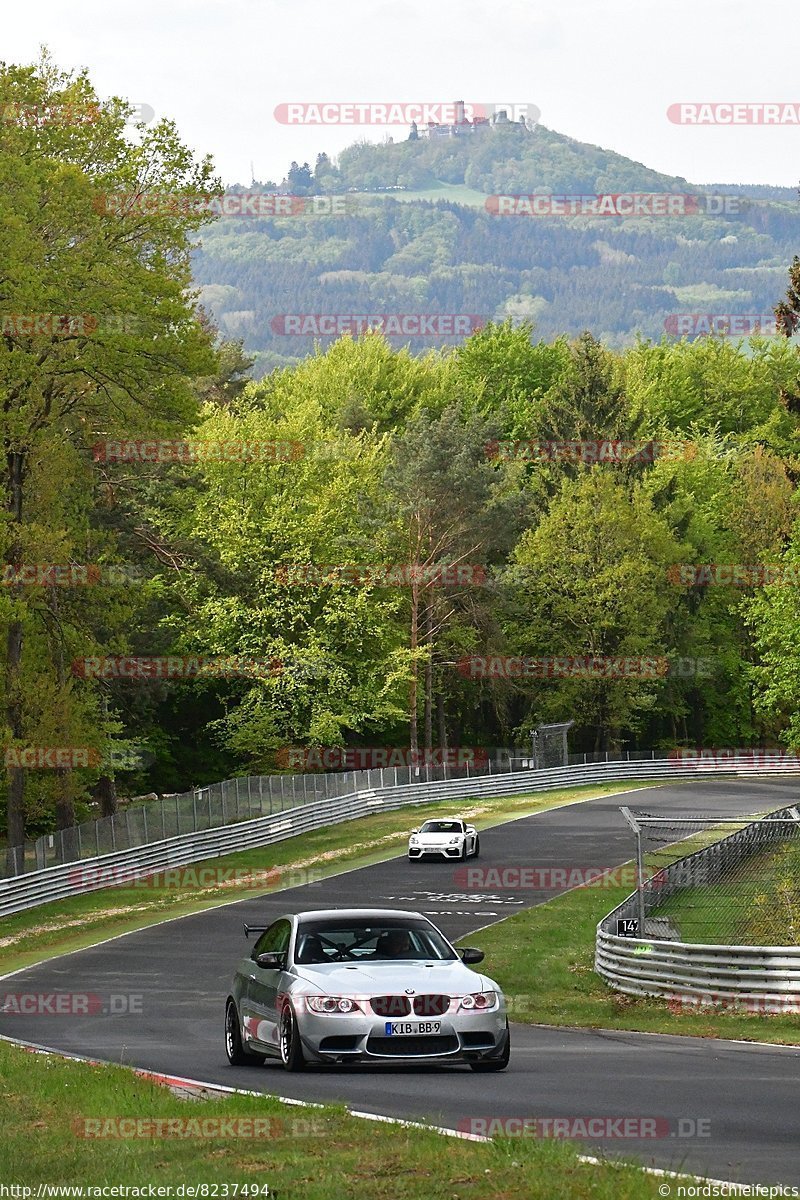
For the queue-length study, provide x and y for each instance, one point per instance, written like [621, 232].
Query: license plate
[409, 1028]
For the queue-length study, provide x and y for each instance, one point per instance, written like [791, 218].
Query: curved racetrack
[747, 1092]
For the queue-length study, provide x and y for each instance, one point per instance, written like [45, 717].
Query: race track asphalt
[745, 1096]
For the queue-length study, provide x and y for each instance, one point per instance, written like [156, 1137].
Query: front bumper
[453, 852]
[462, 1037]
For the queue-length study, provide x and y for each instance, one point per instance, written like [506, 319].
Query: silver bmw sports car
[363, 985]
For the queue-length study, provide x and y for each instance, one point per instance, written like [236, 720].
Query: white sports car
[363, 985]
[448, 838]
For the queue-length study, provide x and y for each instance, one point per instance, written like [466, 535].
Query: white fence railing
[88, 874]
[754, 978]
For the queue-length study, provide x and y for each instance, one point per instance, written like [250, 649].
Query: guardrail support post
[629, 817]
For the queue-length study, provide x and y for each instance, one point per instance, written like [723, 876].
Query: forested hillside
[618, 276]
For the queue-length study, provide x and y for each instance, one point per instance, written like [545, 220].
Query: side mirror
[415, 830]
[470, 955]
[270, 962]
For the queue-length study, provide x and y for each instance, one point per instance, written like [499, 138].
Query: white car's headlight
[454, 841]
[413, 841]
[331, 1004]
[479, 1002]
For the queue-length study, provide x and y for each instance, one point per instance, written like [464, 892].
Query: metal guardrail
[225, 803]
[86, 875]
[759, 978]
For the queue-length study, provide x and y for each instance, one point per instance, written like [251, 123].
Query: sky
[601, 71]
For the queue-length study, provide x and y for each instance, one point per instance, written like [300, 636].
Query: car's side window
[274, 940]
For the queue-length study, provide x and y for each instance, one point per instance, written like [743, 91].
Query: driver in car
[396, 944]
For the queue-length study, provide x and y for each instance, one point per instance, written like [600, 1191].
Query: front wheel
[289, 1037]
[477, 847]
[234, 1047]
[495, 1064]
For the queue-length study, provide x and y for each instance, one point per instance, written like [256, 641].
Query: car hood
[383, 979]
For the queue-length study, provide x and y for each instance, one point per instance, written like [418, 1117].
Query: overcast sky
[601, 71]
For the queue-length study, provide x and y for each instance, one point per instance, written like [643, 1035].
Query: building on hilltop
[463, 127]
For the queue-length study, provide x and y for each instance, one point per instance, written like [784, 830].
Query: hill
[436, 244]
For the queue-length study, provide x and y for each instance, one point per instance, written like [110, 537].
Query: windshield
[442, 827]
[379, 941]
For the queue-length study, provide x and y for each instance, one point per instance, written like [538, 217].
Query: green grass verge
[543, 958]
[64, 925]
[307, 1153]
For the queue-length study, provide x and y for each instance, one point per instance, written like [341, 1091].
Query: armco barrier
[759, 978]
[69, 879]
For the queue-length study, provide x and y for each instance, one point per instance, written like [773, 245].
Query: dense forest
[345, 549]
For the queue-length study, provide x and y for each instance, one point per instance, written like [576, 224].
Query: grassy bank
[302, 1153]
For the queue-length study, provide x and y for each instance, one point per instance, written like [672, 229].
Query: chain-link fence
[719, 880]
[224, 803]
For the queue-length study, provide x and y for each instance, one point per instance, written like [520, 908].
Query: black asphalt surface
[742, 1097]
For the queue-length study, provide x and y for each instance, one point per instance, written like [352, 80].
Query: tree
[593, 582]
[101, 333]
[450, 509]
[299, 179]
[787, 312]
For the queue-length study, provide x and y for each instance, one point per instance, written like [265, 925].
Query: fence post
[113, 834]
[629, 817]
[194, 811]
[163, 820]
[144, 822]
[97, 837]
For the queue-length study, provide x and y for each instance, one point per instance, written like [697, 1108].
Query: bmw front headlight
[479, 1002]
[330, 1005]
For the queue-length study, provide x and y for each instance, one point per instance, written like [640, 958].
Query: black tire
[463, 855]
[495, 1064]
[234, 1048]
[289, 1041]
[477, 849]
